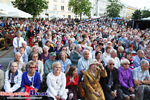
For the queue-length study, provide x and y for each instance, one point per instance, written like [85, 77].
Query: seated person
[21, 65]
[31, 78]
[64, 61]
[56, 82]
[110, 83]
[1, 79]
[72, 83]
[12, 78]
[141, 79]
[126, 80]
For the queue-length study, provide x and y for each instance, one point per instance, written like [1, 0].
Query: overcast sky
[138, 3]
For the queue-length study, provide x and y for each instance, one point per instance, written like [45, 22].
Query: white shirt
[15, 43]
[17, 81]
[56, 85]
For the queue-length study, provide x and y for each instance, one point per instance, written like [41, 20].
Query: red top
[76, 79]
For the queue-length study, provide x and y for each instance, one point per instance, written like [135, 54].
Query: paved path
[6, 56]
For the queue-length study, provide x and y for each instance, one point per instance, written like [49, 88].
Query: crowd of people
[111, 60]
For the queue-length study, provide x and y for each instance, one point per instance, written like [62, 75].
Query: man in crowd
[83, 63]
[141, 79]
[49, 62]
[113, 54]
[110, 83]
[137, 59]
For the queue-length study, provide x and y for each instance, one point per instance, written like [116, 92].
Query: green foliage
[34, 7]
[114, 8]
[136, 15]
[145, 13]
[80, 7]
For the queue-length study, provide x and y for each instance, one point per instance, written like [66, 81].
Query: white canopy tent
[56, 16]
[12, 12]
[148, 18]
[42, 16]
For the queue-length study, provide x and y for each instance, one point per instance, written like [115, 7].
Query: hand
[101, 66]
[35, 89]
[97, 94]
[114, 94]
[131, 89]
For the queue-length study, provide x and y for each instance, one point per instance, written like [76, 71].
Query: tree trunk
[80, 16]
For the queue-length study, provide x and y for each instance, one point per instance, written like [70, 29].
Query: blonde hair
[31, 62]
[124, 61]
[55, 64]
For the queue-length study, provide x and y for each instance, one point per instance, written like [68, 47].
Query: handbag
[81, 90]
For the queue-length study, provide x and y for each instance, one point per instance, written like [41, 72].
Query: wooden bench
[3, 39]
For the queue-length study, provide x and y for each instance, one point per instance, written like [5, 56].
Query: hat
[52, 54]
[94, 61]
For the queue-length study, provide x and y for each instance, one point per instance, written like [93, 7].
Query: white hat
[94, 61]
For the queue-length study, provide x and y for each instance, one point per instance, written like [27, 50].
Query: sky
[140, 4]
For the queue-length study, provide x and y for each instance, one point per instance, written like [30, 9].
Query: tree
[145, 13]
[80, 7]
[114, 8]
[34, 7]
[136, 15]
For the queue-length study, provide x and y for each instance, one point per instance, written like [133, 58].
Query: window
[62, 0]
[55, 7]
[55, 0]
[62, 7]
[69, 9]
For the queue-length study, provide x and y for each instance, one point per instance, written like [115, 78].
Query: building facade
[59, 7]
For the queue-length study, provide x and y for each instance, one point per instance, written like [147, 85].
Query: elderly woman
[31, 78]
[64, 61]
[56, 82]
[34, 50]
[93, 89]
[39, 65]
[45, 54]
[76, 55]
[21, 64]
[17, 42]
[120, 52]
[126, 79]
[12, 78]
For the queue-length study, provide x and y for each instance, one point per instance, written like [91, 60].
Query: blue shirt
[138, 74]
[65, 64]
[136, 61]
[83, 64]
[26, 81]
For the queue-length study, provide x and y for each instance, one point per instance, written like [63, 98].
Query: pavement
[6, 56]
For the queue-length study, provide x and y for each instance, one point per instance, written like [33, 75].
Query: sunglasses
[32, 67]
[111, 64]
[126, 64]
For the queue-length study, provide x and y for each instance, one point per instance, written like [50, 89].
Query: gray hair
[111, 59]
[18, 32]
[78, 46]
[143, 62]
[45, 47]
[124, 61]
[112, 50]
[84, 51]
[139, 51]
[136, 37]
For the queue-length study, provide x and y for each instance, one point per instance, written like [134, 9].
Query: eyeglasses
[35, 56]
[126, 64]
[13, 66]
[32, 67]
[111, 64]
[64, 49]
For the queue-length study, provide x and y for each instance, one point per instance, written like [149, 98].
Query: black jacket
[104, 81]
